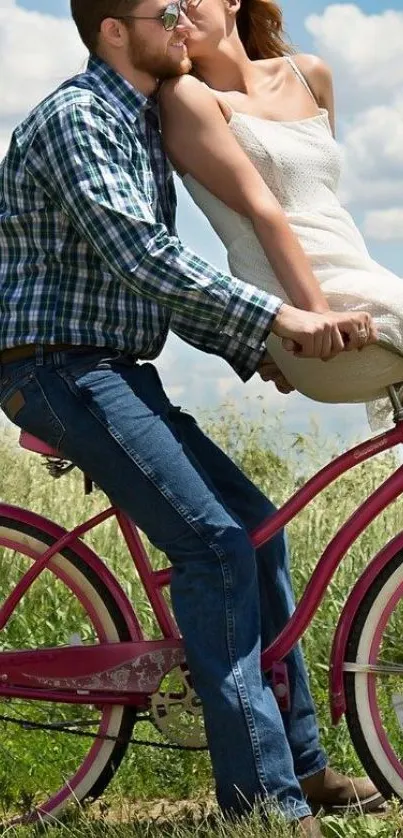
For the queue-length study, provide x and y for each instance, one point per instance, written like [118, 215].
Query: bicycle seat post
[396, 403]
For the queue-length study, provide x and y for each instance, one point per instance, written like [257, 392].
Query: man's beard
[156, 65]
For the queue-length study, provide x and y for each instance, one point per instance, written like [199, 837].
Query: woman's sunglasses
[170, 15]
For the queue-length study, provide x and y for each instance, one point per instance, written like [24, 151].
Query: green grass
[147, 774]
[196, 824]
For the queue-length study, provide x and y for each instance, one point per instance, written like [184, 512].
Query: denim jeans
[113, 419]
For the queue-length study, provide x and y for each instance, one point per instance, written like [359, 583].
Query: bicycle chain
[28, 725]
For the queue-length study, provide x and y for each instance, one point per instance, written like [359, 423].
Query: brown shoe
[333, 793]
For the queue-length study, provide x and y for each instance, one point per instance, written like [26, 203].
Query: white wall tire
[102, 758]
[367, 717]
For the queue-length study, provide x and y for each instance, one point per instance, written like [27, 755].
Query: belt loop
[39, 355]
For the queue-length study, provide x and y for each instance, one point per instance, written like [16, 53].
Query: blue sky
[202, 381]
[294, 10]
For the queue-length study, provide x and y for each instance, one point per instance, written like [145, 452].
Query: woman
[251, 133]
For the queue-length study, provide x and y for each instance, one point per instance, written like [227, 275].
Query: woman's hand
[323, 336]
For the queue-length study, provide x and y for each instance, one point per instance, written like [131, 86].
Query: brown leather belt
[19, 353]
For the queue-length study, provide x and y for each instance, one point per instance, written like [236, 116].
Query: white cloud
[37, 52]
[373, 156]
[385, 225]
[365, 52]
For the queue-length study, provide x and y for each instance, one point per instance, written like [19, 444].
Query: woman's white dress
[301, 162]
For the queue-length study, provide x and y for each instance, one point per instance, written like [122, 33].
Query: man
[92, 277]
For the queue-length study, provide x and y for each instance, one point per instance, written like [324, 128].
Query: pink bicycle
[78, 693]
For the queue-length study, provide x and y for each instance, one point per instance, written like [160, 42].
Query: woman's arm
[319, 77]
[200, 143]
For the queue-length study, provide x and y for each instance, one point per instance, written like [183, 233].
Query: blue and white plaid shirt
[89, 252]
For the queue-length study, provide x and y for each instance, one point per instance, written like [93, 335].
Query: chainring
[177, 712]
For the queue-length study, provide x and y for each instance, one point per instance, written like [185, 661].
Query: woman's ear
[232, 6]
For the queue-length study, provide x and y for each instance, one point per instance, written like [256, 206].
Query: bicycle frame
[67, 674]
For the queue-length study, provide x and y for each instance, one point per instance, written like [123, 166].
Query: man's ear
[113, 32]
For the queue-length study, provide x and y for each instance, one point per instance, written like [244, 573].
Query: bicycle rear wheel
[375, 699]
[42, 772]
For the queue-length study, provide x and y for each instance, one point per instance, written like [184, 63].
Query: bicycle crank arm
[373, 668]
[107, 667]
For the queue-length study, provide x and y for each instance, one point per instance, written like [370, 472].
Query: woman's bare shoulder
[187, 95]
[319, 77]
[314, 68]
[184, 89]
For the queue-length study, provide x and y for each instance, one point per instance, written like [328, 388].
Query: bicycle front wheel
[374, 693]
[42, 771]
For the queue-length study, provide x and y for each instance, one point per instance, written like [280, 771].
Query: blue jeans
[113, 419]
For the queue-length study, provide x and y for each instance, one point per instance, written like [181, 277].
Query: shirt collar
[128, 98]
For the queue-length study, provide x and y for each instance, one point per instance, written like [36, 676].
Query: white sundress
[301, 162]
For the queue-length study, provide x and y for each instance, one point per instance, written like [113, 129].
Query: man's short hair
[89, 14]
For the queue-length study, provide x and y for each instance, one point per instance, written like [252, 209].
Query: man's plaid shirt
[88, 247]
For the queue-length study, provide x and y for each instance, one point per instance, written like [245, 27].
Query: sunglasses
[169, 16]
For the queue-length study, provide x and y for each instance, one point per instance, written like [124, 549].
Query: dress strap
[301, 77]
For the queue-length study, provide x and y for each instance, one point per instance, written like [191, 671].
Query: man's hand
[323, 336]
[269, 371]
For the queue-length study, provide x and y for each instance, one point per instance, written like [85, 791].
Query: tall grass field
[170, 793]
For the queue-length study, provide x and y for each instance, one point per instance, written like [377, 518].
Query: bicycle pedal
[281, 686]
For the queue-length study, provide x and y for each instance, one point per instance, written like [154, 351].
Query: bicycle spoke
[379, 668]
[388, 679]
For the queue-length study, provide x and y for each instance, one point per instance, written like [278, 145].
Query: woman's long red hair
[260, 27]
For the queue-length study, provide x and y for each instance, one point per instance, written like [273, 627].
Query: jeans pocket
[25, 403]
[12, 379]
[12, 376]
